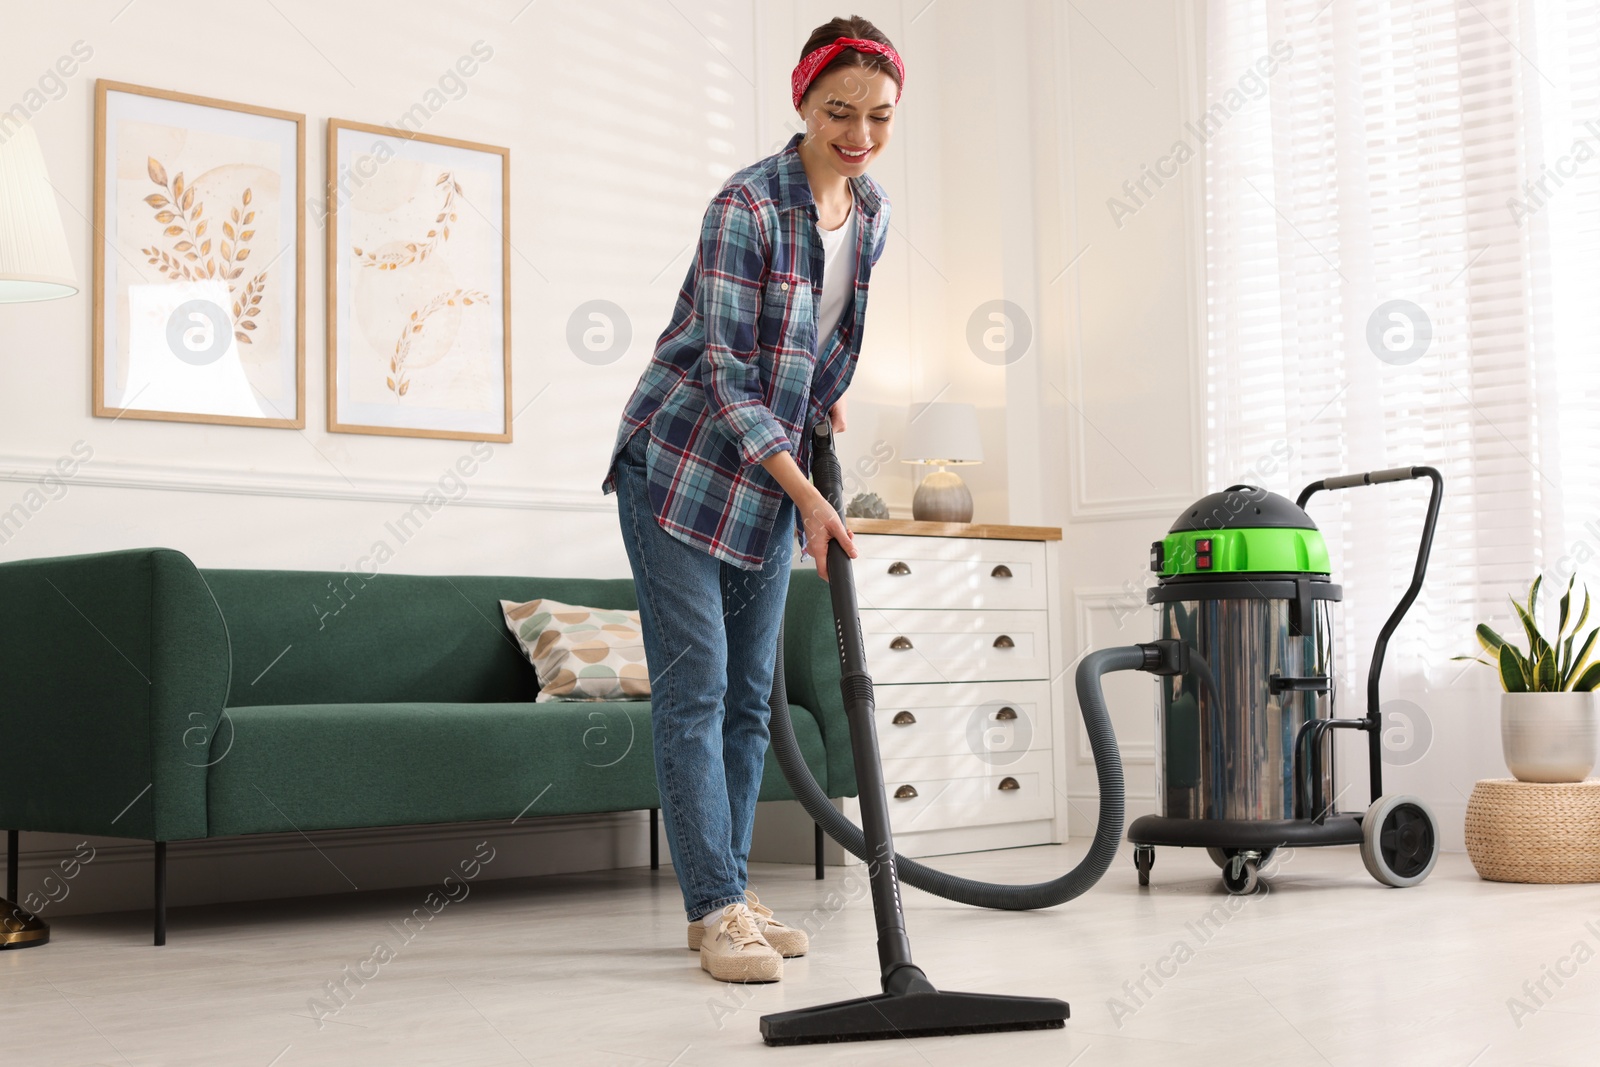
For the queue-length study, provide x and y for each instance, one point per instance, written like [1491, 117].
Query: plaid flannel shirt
[738, 373]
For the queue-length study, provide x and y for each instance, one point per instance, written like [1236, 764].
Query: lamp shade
[942, 433]
[34, 261]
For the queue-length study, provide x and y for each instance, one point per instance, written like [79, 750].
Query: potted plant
[1547, 712]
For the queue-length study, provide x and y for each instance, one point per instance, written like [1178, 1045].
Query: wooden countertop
[991, 531]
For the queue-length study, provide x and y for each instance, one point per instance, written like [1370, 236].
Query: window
[1402, 242]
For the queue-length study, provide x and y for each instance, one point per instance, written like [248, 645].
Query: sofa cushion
[278, 768]
[580, 653]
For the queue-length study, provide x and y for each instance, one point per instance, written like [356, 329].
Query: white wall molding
[1076, 238]
[114, 474]
[1086, 601]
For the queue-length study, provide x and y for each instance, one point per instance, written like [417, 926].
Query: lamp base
[20, 929]
[942, 497]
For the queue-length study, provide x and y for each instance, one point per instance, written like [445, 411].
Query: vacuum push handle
[1429, 523]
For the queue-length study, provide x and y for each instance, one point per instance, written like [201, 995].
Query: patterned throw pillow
[581, 653]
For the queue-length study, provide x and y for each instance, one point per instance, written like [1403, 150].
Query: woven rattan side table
[1534, 832]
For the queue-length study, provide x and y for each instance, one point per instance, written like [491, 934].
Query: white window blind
[1446, 153]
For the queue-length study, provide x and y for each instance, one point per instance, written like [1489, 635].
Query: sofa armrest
[113, 676]
[811, 671]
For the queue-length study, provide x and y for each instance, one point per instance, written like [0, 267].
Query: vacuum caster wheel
[1221, 856]
[1241, 875]
[1144, 857]
[1399, 840]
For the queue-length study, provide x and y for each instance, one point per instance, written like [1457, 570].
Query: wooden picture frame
[191, 324]
[418, 284]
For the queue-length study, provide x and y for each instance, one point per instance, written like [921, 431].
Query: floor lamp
[35, 264]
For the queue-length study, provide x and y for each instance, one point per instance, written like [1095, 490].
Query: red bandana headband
[812, 62]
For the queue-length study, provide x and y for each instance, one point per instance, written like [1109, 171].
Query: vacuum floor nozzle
[889, 1016]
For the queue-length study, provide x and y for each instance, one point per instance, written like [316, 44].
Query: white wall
[622, 117]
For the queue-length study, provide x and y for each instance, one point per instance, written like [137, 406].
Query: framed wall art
[199, 259]
[419, 282]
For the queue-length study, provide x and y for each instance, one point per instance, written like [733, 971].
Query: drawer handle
[1004, 642]
[1000, 571]
[904, 718]
[1006, 714]
[899, 568]
[1008, 783]
[905, 792]
[901, 643]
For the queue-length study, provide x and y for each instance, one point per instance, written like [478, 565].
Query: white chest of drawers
[963, 640]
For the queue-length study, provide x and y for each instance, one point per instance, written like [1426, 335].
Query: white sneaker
[733, 950]
[786, 939]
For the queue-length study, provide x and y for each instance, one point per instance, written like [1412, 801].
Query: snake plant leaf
[1533, 596]
[1566, 605]
[1536, 641]
[1490, 640]
[1512, 676]
[1576, 663]
[1564, 662]
[1583, 616]
[1588, 680]
[1544, 672]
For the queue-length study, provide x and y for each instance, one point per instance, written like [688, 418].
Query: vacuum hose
[1107, 766]
[1096, 720]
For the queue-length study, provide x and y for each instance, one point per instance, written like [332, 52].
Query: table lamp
[942, 435]
[35, 264]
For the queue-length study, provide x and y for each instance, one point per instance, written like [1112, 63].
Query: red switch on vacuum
[1202, 554]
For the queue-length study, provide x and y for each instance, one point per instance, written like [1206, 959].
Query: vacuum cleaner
[1245, 714]
[910, 1005]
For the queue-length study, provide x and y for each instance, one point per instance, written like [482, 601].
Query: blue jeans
[710, 636]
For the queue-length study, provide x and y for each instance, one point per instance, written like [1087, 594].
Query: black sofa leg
[11, 865]
[161, 892]
[655, 840]
[817, 827]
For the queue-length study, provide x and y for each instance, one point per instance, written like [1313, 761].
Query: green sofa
[146, 698]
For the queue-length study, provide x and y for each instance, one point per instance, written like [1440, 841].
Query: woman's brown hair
[854, 26]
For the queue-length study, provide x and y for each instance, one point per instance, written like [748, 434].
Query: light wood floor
[1326, 968]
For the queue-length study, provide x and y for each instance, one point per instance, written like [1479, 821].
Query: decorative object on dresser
[1547, 712]
[199, 259]
[867, 506]
[962, 628]
[942, 435]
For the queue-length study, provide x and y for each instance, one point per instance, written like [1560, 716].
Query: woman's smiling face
[849, 113]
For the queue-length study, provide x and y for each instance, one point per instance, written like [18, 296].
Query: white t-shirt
[838, 275]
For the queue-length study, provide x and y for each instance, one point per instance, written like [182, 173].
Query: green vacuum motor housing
[1242, 529]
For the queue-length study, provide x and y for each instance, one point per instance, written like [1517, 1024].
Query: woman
[711, 468]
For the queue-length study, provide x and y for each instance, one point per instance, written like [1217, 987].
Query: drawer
[955, 646]
[996, 721]
[893, 571]
[936, 794]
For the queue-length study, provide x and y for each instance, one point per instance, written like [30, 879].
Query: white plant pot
[1548, 737]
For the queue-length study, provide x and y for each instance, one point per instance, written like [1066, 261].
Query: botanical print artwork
[191, 256]
[397, 380]
[198, 260]
[412, 251]
[418, 338]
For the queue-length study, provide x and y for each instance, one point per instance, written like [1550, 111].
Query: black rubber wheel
[1399, 840]
[1241, 876]
[1144, 857]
